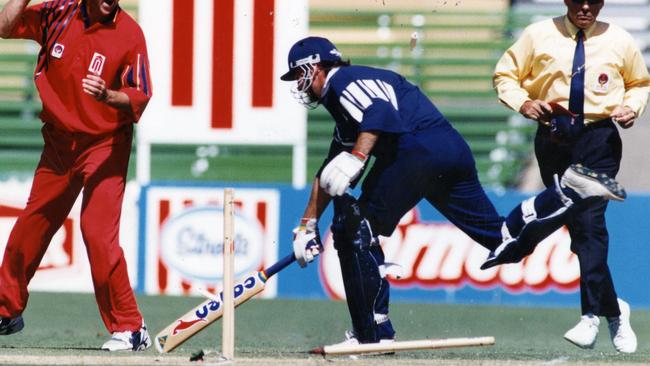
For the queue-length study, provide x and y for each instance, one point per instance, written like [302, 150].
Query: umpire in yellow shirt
[578, 78]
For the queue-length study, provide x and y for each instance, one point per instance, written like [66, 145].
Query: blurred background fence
[458, 44]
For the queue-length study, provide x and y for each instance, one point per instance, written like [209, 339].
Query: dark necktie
[577, 95]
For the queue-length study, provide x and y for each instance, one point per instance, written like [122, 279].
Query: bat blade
[206, 313]
[211, 310]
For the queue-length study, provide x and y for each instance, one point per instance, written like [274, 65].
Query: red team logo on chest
[57, 50]
[603, 79]
[97, 63]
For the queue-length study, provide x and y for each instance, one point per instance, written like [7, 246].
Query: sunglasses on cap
[590, 2]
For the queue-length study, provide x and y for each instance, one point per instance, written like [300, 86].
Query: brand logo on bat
[183, 325]
[210, 307]
[239, 289]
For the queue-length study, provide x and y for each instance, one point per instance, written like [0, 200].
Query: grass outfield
[65, 329]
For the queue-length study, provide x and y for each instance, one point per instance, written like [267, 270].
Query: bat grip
[279, 266]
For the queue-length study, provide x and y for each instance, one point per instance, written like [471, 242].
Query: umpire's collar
[573, 30]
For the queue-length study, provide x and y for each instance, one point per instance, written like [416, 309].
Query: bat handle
[277, 267]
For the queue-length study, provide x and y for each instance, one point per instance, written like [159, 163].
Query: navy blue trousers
[599, 148]
[435, 164]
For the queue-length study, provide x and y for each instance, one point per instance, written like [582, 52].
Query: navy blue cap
[310, 50]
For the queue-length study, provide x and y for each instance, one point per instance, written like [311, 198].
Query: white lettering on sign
[437, 255]
[192, 244]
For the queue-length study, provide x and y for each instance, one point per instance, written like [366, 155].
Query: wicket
[228, 324]
[349, 349]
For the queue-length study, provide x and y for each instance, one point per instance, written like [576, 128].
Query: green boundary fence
[452, 63]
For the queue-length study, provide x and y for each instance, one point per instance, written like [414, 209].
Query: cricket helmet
[309, 51]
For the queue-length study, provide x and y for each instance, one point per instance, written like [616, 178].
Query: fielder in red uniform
[93, 79]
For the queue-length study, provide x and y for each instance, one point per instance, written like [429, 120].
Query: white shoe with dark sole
[129, 341]
[588, 183]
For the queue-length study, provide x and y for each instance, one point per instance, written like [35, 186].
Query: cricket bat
[211, 310]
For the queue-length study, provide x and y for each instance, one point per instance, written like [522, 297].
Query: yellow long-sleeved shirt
[538, 66]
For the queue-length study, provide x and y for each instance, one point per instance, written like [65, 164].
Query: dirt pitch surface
[65, 329]
[130, 359]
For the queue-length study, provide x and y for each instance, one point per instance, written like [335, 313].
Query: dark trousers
[598, 147]
[435, 164]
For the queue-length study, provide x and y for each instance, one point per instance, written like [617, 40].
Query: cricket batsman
[92, 75]
[418, 155]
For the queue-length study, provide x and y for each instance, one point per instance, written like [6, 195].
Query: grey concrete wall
[635, 166]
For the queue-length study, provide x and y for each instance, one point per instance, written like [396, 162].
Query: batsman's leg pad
[359, 266]
[384, 326]
[527, 225]
[385, 329]
[349, 227]
[546, 204]
[362, 283]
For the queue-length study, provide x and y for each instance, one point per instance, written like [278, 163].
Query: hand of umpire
[338, 174]
[624, 116]
[537, 110]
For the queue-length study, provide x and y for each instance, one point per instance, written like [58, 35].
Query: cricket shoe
[620, 330]
[129, 341]
[584, 333]
[509, 251]
[11, 325]
[352, 340]
[587, 183]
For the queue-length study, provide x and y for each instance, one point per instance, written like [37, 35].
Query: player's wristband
[303, 223]
[363, 157]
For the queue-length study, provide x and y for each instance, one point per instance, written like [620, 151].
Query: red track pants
[70, 162]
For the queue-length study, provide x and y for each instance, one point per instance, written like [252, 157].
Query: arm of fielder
[211, 310]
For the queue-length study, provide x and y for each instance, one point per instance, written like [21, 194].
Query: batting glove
[340, 172]
[306, 242]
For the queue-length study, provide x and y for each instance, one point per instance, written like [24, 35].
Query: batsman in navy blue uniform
[418, 155]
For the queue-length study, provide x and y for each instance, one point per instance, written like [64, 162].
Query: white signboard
[182, 237]
[215, 69]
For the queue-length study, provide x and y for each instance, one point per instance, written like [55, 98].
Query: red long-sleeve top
[70, 49]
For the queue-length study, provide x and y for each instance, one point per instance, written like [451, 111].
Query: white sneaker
[129, 341]
[620, 330]
[588, 183]
[351, 339]
[584, 333]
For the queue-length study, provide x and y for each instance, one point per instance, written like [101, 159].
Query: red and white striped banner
[184, 237]
[215, 68]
